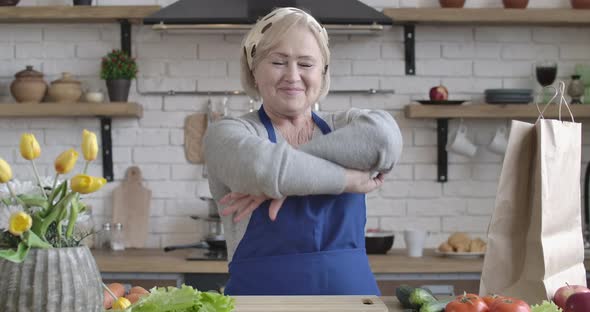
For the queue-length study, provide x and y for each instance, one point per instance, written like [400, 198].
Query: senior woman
[290, 184]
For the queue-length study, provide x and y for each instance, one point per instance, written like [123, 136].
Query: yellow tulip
[89, 145]
[5, 171]
[19, 223]
[85, 184]
[66, 161]
[29, 147]
[122, 303]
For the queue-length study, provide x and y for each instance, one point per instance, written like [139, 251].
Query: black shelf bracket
[442, 129]
[105, 122]
[126, 36]
[410, 48]
[107, 148]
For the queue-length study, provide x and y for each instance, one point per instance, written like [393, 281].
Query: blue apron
[316, 246]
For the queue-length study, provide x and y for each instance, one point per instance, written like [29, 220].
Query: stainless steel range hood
[349, 16]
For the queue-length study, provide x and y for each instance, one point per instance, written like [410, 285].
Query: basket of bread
[462, 245]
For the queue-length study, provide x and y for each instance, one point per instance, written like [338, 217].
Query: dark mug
[82, 2]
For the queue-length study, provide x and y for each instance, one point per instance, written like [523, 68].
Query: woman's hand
[362, 182]
[244, 204]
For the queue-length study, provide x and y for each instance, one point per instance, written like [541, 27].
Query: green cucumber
[420, 297]
[435, 306]
[403, 296]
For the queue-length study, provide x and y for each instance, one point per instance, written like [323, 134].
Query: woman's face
[289, 79]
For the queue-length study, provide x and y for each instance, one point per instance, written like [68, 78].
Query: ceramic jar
[575, 89]
[94, 97]
[580, 4]
[515, 4]
[29, 86]
[65, 89]
[452, 3]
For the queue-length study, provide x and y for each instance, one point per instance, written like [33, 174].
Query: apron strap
[267, 124]
[321, 123]
[271, 131]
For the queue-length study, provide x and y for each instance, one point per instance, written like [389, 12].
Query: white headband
[257, 33]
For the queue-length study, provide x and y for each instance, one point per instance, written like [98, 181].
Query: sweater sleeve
[362, 140]
[249, 164]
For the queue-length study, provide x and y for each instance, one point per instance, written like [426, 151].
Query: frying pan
[213, 243]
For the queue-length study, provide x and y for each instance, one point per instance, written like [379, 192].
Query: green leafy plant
[118, 65]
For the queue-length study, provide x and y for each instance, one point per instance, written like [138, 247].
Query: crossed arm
[342, 161]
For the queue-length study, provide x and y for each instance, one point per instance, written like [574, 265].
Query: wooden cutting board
[195, 126]
[131, 207]
[309, 304]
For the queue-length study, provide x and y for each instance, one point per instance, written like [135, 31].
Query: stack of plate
[509, 96]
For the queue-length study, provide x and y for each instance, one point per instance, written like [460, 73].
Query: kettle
[213, 219]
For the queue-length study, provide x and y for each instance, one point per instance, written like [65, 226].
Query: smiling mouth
[291, 91]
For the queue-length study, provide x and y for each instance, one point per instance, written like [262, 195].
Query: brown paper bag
[535, 242]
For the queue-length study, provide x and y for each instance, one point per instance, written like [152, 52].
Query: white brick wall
[466, 59]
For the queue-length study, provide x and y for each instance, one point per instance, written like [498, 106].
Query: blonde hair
[262, 38]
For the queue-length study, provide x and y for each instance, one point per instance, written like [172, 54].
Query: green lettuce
[545, 306]
[214, 302]
[183, 299]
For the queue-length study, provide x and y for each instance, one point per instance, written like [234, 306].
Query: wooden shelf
[555, 17]
[123, 15]
[116, 109]
[75, 14]
[492, 111]
[442, 114]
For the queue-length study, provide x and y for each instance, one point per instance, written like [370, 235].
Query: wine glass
[546, 72]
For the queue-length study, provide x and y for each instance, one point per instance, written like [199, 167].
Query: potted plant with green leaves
[118, 69]
[41, 240]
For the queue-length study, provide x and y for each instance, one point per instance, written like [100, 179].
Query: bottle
[118, 238]
[104, 237]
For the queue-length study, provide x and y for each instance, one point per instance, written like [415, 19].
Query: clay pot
[515, 4]
[452, 3]
[65, 89]
[29, 86]
[580, 4]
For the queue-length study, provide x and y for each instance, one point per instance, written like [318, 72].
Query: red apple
[563, 293]
[578, 302]
[439, 93]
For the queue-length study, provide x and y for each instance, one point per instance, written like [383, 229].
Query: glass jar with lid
[118, 237]
[103, 238]
[575, 89]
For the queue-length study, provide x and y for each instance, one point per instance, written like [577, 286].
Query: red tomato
[510, 305]
[467, 303]
[489, 299]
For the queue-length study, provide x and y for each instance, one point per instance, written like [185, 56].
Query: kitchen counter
[158, 261]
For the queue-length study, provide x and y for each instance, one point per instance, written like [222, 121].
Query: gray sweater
[240, 158]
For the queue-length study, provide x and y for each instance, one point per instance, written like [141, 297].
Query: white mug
[499, 141]
[460, 144]
[415, 240]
